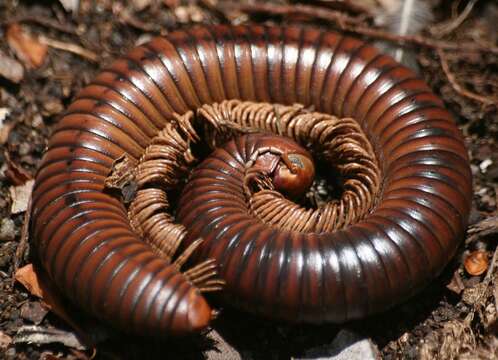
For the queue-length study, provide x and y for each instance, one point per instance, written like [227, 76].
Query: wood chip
[33, 334]
[70, 47]
[484, 228]
[27, 48]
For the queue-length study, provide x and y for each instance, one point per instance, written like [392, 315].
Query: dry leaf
[36, 281]
[20, 196]
[27, 48]
[29, 279]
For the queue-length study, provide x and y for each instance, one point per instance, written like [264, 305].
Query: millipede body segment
[400, 218]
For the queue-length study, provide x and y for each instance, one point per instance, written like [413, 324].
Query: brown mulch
[49, 50]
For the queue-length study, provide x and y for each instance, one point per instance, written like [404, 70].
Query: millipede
[266, 104]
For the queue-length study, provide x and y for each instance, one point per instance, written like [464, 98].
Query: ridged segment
[83, 237]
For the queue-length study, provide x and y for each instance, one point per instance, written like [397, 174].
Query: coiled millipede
[402, 207]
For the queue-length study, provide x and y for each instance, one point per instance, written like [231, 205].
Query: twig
[354, 6]
[457, 87]
[421, 41]
[41, 21]
[23, 243]
[446, 28]
[72, 48]
[347, 23]
[308, 10]
[491, 268]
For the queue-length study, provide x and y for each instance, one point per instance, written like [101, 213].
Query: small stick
[311, 11]
[446, 28]
[459, 88]
[72, 48]
[348, 23]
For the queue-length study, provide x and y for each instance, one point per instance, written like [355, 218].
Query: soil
[455, 316]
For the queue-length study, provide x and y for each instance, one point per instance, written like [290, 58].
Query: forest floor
[48, 52]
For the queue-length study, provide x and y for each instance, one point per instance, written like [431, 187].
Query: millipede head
[196, 315]
[295, 175]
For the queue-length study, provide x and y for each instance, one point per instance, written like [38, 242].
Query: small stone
[346, 346]
[485, 164]
[10, 69]
[7, 229]
[52, 107]
[139, 5]
[10, 353]
[70, 5]
[223, 349]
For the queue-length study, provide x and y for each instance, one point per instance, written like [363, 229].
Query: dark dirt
[456, 316]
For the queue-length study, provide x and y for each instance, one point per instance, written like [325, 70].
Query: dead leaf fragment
[34, 334]
[10, 69]
[20, 196]
[38, 284]
[27, 48]
[122, 178]
[29, 279]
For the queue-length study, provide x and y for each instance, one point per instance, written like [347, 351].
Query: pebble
[7, 230]
[10, 353]
[347, 345]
